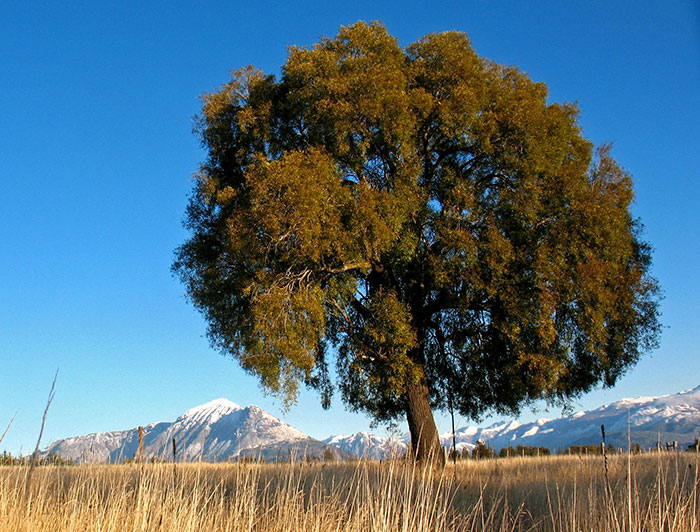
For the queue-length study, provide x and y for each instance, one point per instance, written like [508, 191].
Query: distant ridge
[219, 430]
[674, 417]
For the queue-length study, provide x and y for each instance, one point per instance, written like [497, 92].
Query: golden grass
[519, 494]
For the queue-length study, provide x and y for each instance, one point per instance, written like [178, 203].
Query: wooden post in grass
[629, 470]
[139, 453]
[605, 463]
[174, 463]
[454, 438]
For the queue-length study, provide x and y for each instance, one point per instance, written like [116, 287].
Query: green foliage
[591, 449]
[426, 214]
[460, 455]
[524, 450]
[250, 460]
[483, 451]
[7, 459]
[56, 460]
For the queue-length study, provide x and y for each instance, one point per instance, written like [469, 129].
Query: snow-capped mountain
[667, 418]
[221, 430]
[215, 431]
[368, 445]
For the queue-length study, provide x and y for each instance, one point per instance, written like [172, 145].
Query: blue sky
[97, 153]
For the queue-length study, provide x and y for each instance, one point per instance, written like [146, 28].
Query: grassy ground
[518, 494]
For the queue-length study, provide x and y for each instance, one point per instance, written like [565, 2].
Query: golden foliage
[426, 214]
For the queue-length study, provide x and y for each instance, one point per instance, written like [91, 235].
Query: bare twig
[43, 420]
[33, 461]
[8, 427]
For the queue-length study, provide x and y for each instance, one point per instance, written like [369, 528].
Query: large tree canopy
[424, 215]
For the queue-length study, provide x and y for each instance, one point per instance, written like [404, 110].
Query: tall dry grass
[569, 493]
[519, 494]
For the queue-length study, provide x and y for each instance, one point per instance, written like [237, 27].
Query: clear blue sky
[96, 158]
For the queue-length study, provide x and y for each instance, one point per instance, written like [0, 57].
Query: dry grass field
[519, 494]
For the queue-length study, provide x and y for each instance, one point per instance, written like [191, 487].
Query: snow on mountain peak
[634, 401]
[214, 431]
[368, 445]
[221, 430]
[213, 409]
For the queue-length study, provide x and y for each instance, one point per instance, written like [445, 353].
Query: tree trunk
[425, 443]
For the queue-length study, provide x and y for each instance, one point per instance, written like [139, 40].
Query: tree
[524, 450]
[426, 217]
[482, 451]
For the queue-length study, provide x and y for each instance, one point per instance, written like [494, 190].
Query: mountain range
[653, 420]
[221, 430]
[216, 431]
